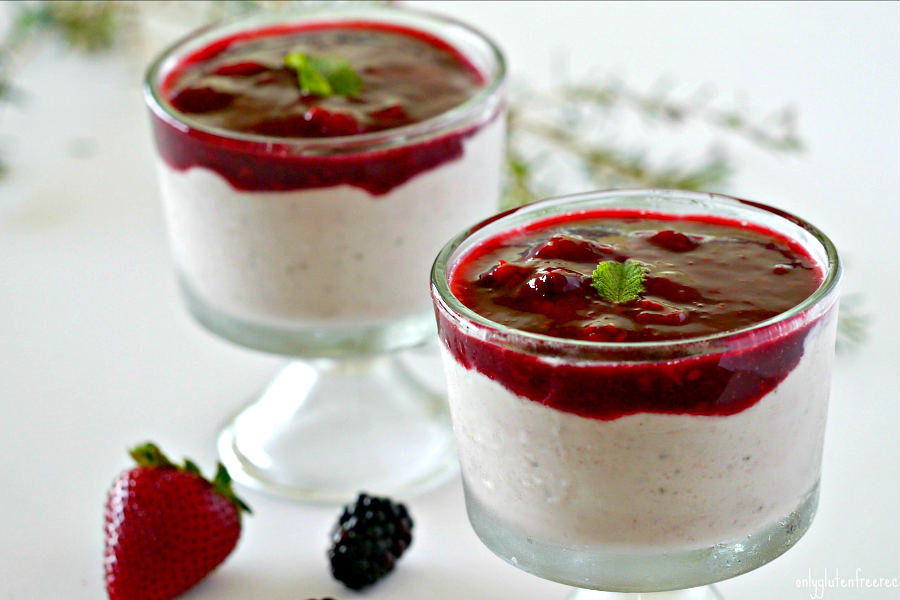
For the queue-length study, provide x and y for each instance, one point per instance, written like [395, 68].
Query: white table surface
[98, 353]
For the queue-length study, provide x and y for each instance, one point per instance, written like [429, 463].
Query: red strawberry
[167, 527]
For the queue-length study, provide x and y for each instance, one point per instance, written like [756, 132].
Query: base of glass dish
[595, 568]
[707, 592]
[326, 429]
[311, 342]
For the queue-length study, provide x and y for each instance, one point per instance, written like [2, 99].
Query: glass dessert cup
[647, 503]
[316, 249]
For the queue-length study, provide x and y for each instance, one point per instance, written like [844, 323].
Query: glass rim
[441, 286]
[445, 122]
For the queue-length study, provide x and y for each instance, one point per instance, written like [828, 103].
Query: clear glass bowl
[332, 273]
[645, 502]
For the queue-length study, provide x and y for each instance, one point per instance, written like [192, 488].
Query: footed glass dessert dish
[638, 382]
[311, 164]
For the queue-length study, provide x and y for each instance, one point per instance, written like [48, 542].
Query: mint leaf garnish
[324, 75]
[310, 79]
[619, 282]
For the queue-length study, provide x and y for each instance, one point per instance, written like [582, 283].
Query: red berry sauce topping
[706, 275]
[241, 84]
[246, 86]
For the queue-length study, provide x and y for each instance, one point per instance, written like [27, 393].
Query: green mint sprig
[321, 75]
[619, 282]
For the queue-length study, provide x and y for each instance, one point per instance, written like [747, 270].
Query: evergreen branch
[606, 165]
[518, 186]
[853, 323]
[781, 138]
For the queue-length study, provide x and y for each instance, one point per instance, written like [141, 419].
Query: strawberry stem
[222, 484]
[148, 454]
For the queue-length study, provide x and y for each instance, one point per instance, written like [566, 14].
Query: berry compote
[704, 276]
[243, 84]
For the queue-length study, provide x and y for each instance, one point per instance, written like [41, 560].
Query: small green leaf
[619, 282]
[345, 82]
[324, 75]
[148, 454]
[222, 484]
[311, 81]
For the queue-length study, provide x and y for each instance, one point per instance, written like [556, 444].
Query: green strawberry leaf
[148, 454]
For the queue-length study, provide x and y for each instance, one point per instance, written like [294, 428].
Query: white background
[98, 353]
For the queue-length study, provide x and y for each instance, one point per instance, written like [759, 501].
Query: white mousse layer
[644, 480]
[329, 256]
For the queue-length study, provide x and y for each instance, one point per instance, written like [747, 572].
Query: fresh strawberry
[167, 527]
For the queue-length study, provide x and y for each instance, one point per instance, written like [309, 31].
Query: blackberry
[367, 540]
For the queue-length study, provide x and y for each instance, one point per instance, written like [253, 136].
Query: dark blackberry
[367, 540]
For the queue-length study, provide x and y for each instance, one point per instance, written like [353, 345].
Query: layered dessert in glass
[638, 382]
[290, 212]
[311, 165]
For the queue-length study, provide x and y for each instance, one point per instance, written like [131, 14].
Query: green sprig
[619, 282]
[322, 75]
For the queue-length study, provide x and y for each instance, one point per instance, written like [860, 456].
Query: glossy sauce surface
[705, 276]
[242, 84]
[239, 83]
[749, 274]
